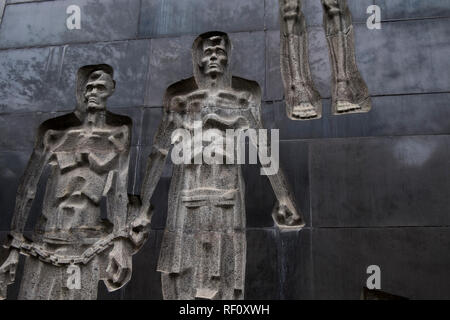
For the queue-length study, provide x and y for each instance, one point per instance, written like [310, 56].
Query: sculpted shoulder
[248, 86]
[177, 94]
[180, 88]
[52, 131]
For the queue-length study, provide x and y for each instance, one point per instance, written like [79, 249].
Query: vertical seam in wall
[139, 19]
[311, 258]
[264, 96]
[311, 247]
[264, 15]
[310, 184]
[147, 76]
[265, 52]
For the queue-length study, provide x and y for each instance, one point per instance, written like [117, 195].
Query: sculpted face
[214, 56]
[290, 9]
[99, 87]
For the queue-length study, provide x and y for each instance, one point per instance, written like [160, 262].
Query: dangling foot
[345, 106]
[344, 98]
[304, 111]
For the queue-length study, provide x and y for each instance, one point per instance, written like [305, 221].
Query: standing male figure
[88, 154]
[349, 92]
[203, 251]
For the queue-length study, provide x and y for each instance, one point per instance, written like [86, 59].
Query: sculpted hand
[8, 272]
[119, 267]
[286, 217]
[139, 229]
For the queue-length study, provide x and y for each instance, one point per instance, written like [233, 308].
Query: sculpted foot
[304, 111]
[345, 106]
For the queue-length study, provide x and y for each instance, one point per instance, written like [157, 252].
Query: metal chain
[35, 250]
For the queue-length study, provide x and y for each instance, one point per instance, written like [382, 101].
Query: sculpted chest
[96, 148]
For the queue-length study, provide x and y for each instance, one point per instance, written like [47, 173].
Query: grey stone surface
[24, 78]
[259, 198]
[284, 260]
[174, 17]
[44, 23]
[384, 69]
[313, 12]
[318, 58]
[391, 181]
[348, 90]
[391, 58]
[129, 60]
[296, 264]
[413, 9]
[390, 116]
[203, 251]
[171, 60]
[413, 261]
[12, 165]
[151, 119]
[136, 115]
[378, 179]
[23, 1]
[146, 281]
[43, 79]
[89, 152]
[302, 99]
[14, 139]
[262, 271]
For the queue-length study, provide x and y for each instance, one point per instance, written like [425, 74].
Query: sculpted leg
[303, 101]
[349, 92]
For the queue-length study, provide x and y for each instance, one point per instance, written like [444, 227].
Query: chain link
[38, 251]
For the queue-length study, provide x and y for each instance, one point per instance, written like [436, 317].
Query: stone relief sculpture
[303, 101]
[87, 155]
[349, 91]
[203, 251]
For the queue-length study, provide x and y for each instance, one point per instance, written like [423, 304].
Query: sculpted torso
[215, 111]
[83, 159]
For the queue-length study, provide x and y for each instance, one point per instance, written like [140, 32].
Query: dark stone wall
[374, 188]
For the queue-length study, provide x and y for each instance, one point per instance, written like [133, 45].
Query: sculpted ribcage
[82, 160]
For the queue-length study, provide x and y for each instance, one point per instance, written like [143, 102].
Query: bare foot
[304, 111]
[345, 106]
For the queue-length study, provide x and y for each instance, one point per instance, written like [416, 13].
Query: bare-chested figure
[203, 251]
[87, 153]
[349, 92]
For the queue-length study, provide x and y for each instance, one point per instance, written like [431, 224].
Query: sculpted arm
[156, 160]
[153, 172]
[285, 213]
[120, 258]
[24, 199]
[28, 185]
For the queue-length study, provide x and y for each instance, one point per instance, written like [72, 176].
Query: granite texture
[372, 187]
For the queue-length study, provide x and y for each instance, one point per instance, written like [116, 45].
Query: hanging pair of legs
[349, 92]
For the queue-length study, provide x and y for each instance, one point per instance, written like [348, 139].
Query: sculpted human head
[211, 53]
[214, 55]
[99, 87]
